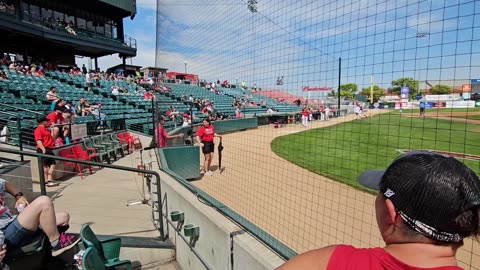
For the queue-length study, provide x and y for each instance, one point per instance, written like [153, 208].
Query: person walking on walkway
[205, 136]
[45, 143]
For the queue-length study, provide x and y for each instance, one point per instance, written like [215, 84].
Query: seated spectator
[96, 111]
[3, 7]
[22, 69]
[115, 90]
[13, 66]
[70, 108]
[38, 215]
[238, 113]
[69, 29]
[426, 205]
[148, 95]
[11, 9]
[5, 60]
[82, 108]
[186, 119]
[56, 121]
[270, 110]
[52, 94]
[59, 102]
[3, 74]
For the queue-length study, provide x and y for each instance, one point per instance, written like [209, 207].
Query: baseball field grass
[341, 152]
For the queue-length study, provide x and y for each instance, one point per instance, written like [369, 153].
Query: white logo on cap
[389, 193]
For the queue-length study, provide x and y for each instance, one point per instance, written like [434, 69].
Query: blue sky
[142, 28]
[302, 40]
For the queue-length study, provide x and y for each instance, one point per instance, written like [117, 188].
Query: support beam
[96, 64]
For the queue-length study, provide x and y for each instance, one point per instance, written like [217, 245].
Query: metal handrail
[22, 109]
[43, 190]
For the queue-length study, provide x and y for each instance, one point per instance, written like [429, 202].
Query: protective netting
[269, 59]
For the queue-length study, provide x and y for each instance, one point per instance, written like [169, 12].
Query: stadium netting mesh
[271, 59]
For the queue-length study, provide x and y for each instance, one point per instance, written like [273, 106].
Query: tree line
[349, 90]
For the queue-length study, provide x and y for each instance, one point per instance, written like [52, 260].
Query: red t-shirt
[206, 134]
[350, 258]
[42, 134]
[305, 113]
[54, 117]
[161, 137]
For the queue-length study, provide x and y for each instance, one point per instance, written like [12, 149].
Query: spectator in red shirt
[426, 205]
[162, 135]
[148, 95]
[205, 136]
[305, 114]
[56, 119]
[45, 143]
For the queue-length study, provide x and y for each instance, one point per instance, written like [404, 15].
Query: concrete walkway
[101, 201]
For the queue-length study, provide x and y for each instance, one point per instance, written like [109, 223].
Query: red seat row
[76, 152]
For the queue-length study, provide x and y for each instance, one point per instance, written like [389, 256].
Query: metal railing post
[41, 176]
[160, 208]
[20, 141]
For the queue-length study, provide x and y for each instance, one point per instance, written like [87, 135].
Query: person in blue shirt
[422, 109]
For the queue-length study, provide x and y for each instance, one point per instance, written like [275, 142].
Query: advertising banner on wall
[311, 89]
[405, 92]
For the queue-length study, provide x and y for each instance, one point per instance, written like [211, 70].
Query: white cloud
[147, 4]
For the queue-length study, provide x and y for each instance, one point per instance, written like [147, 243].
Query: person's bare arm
[40, 145]
[175, 136]
[199, 140]
[12, 190]
[311, 260]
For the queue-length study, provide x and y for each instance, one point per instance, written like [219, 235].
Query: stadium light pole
[185, 67]
[339, 81]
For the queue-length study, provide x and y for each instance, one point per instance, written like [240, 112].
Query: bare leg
[50, 173]
[209, 160]
[45, 172]
[62, 218]
[66, 132]
[205, 162]
[40, 212]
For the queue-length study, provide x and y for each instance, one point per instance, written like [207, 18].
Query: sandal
[51, 183]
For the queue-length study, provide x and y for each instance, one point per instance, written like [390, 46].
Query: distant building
[129, 69]
[188, 78]
[155, 71]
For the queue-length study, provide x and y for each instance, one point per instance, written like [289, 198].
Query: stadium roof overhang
[126, 7]
[21, 36]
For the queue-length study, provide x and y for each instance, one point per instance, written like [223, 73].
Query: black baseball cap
[162, 118]
[41, 119]
[59, 108]
[430, 192]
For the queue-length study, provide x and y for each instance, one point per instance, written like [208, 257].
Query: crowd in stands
[7, 7]
[53, 23]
